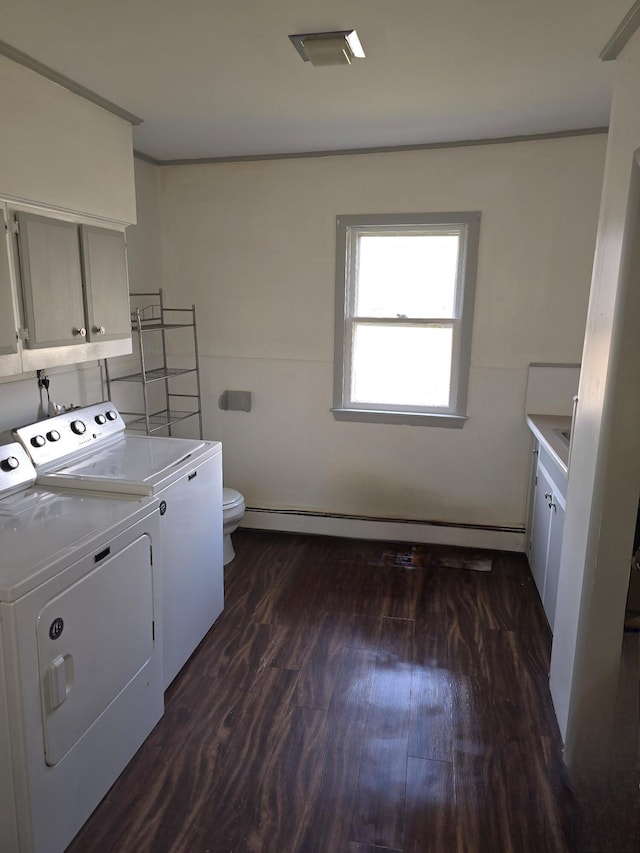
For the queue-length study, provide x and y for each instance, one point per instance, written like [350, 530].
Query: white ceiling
[220, 78]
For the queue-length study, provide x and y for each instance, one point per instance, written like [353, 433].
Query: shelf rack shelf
[156, 317]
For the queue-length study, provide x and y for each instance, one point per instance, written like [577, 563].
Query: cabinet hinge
[16, 226]
[23, 334]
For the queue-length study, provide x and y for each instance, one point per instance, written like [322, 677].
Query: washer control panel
[71, 432]
[16, 469]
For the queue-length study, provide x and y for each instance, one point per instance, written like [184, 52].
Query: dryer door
[92, 640]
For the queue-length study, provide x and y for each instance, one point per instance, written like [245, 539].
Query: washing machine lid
[44, 531]
[131, 465]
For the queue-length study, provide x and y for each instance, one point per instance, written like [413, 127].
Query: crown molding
[627, 28]
[21, 58]
[390, 149]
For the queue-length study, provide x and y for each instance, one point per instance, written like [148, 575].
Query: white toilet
[232, 512]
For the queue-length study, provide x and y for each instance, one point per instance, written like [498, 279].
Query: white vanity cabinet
[74, 282]
[547, 522]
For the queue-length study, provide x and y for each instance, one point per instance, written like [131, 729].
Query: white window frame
[348, 230]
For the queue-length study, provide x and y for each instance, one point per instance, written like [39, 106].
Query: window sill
[409, 418]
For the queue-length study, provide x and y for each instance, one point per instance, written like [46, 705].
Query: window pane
[401, 365]
[411, 276]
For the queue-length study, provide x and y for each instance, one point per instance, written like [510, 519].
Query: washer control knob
[111, 415]
[53, 435]
[38, 441]
[10, 463]
[79, 427]
[100, 419]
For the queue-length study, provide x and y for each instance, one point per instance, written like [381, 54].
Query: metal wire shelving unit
[156, 319]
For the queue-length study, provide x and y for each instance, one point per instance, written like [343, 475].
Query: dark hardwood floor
[354, 697]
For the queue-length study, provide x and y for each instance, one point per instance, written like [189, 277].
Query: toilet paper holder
[237, 401]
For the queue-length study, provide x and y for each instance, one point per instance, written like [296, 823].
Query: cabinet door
[104, 257]
[540, 529]
[51, 281]
[8, 325]
[553, 558]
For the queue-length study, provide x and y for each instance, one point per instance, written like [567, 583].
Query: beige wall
[21, 401]
[143, 239]
[61, 150]
[252, 244]
[605, 476]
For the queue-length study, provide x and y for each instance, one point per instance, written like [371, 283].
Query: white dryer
[89, 449]
[80, 651]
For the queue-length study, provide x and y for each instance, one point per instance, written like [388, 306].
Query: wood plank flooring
[344, 703]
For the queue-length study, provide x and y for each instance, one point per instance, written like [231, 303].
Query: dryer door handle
[59, 684]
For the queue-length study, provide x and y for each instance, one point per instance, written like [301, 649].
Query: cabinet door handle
[552, 506]
[548, 496]
[79, 330]
[99, 330]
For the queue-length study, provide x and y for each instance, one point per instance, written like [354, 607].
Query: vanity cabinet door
[547, 523]
[540, 522]
[104, 257]
[49, 253]
[553, 558]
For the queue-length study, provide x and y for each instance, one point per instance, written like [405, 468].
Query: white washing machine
[80, 651]
[89, 449]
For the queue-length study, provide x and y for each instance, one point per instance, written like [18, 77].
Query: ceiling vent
[335, 48]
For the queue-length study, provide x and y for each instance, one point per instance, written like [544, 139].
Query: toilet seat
[231, 499]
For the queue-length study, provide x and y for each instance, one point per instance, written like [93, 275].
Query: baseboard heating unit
[499, 537]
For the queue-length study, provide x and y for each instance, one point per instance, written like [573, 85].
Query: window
[404, 313]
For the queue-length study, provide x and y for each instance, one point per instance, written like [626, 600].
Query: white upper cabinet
[104, 255]
[71, 281]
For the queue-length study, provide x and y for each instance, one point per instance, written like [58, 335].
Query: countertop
[546, 429]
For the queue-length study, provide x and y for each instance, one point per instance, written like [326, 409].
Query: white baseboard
[498, 539]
